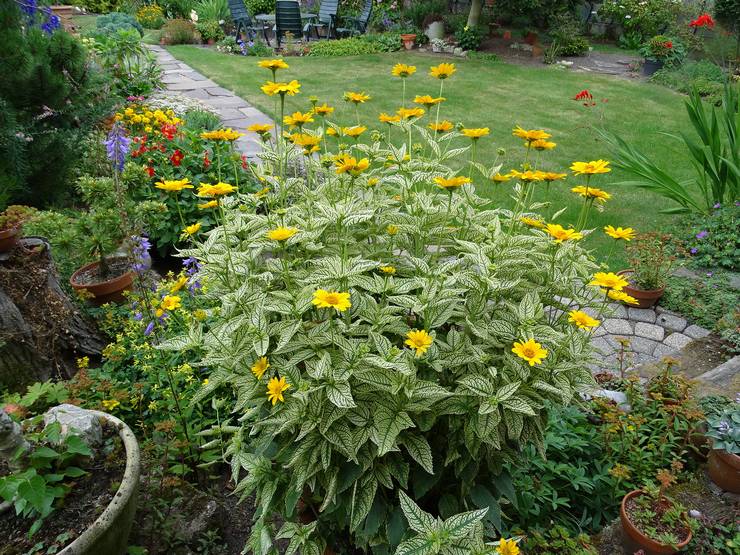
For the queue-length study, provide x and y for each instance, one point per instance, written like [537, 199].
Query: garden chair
[287, 19]
[326, 19]
[356, 25]
[243, 22]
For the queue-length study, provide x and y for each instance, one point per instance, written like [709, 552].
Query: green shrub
[179, 31]
[727, 12]
[646, 17]
[470, 38]
[711, 241]
[567, 36]
[260, 6]
[201, 120]
[558, 540]
[385, 42]
[177, 8]
[132, 66]
[343, 47]
[703, 76]
[111, 23]
[210, 30]
[214, 10]
[151, 16]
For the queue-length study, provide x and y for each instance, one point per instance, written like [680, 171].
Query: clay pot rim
[408, 36]
[626, 519]
[6, 233]
[730, 459]
[629, 271]
[74, 283]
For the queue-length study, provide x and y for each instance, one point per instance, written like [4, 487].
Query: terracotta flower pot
[103, 291]
[724, 470]
[408, 40]
[507, 35]
[638, 540]
[645, 298]
[531, 38]
[9, 238]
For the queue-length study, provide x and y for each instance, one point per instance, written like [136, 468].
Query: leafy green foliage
[558, 540]
[260, 6]
[703, 76]
[470, 38]
[727, 13]
[132, 66]
[352, 46]
[646, 17]
[711, 240]
[210, 29]
[718, 535]
[384, 42]
[212, 10]
[179, 31]
[114, 22]
[662, 48]
[567, 36]
[150, 16]
[724, 430]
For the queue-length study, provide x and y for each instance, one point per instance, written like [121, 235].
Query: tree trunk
[476, 7]
[42, 332]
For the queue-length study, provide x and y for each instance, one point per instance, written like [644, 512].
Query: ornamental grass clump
[378, 329]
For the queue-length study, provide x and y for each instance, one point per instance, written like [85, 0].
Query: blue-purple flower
[192, 266]
[117, 146]
[702, 234]
[149, 328]
[140, 253]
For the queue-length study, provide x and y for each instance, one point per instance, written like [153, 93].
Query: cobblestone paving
[235, 112]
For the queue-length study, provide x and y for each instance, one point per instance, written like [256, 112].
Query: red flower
[150, 171]
[704, 20]
[206, 160]
[584, 95]
[668, 44]
[168, 130]
[176, 157]
[244, 161]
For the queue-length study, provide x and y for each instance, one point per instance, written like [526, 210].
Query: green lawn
[498, 96]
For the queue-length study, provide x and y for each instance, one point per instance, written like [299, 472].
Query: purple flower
[710, 274]
[138, 316]
[140, 251]
[702, 234]
[694, 250]
[193, 287]
[192, 266]
[117, 146]
[724, 427]
[718, 205]
[149, 328]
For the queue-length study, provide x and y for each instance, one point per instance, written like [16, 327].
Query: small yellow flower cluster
[139, 118]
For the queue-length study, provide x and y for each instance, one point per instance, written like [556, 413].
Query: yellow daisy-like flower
[216, 190]
[200, 314]
[350, 164]
[530, 350]
[331, 299]
[260, 128]
[386, 118]
[403, 70]
[507, 547]
[275, 389]
[560, 234]
[259, 367]
[192, 229]
[332, 132]
[501, 177]
[442, 71]
[530, 135]
[590, 168]
[387, 269]
[356, 97]
[273, 64]
[592, 192]
[582, 320]
[451, 182]
[532, 222]
[609, 280]
[624, 233]
[291, 89]
[110, 404]
[408, 113]
[552, 176]
[541, 144]
[282, 233]
[428, 101]
[373, 181]
[528, 175]
[391, 229]
[209, 204]
[475, 133]
[620, 296]
[181, 282]
[354, 131]
[174, 186]
[298, 119]
[227, 134]
[419, 340]
[262, 192]
[170, 302]
[323, 110]
[443, 126]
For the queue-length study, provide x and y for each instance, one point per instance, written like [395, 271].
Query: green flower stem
[230, 265]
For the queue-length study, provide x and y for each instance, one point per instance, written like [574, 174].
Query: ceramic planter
[651, 66]
[9, 238]
[109, 533]
[105, 291]
[435, 30]
[408, 40]
[636, 540]
[724, 470]
[645, 298]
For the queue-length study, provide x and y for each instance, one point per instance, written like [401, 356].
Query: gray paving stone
[650, 331]
[617, 310]
[231, 114]
[602, 345]
[195, 76]
[617, 326]
[189, 85]
[598, 332]
[677, 340]
[642, 315]
[641, 358]
[696, 332]
[724, 374]
[228, 102]
[643, 346]
[663, 350]
[215, 90]
[671, 322]
[200, 94]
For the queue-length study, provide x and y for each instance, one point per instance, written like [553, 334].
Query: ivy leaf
[419, 520]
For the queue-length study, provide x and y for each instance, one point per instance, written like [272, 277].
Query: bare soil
[116, 267]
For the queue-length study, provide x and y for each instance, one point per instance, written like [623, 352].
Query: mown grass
[498, 96]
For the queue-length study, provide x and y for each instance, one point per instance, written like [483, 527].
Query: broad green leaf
[340, 394]
[419, 520]
[461, 524]
[419, 449]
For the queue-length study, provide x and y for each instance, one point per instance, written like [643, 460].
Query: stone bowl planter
[724, 470]
[109, 533]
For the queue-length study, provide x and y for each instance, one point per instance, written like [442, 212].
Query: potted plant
[652, 521]
[651, 265]
[660, 51]
[723, 430]
[408, 36]
[11, 221]
[434, 26]
[210, 31]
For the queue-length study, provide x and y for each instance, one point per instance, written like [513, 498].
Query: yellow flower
[442, 127]
[530, 135]
[428, 101]
[475, 134]
[530, 350]
[310, 143]
[273, 64]
[501, 177]
[275, 389]
[205, 381]
[216, 190]
[403, 70]
[592, 193]
[350, 164]
[532, 222]
[528, 175]
[590, 168]
[192, 229]
[387, 270]
[110, 404]
[560, 234]
[408, 113]
[174, 186]
[260, 128]
[507, 547]
[582, 320]
[372, 181]
[357, 98]
[331, 299]
[323, 110]
[620, 296]
[331, 132]
[262, 192]
[541, 144]
[552, 176]
[199, 314]
[442, 71]
[282, 233]
[419, 340]
[221, 135]
[148, 129]
[291, 89]
[259, 367]
[209, 204]
[609, 280]
[385, 118]
[354, 131]
[298, 119]
[391, 229]
[181, 282]
[83, 362]
[451, 182]
[625, 233]
[170, 302]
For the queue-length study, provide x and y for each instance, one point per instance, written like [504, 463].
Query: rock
[617, 311]
[677, 340]
[459, 52]
[671, 322]
[696, 332]
[617, 326]
[617, 396]
[650, 331]
[601, 345]
[83, 422]
[664, 351]
[642, 315]
[11, 441]
[723, 375]
[643, 346]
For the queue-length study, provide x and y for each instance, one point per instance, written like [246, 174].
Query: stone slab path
[235, 112]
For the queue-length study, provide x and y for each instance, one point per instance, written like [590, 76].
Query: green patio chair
[287, 19]
[356, 25]
[244, 23]
[326, 19]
